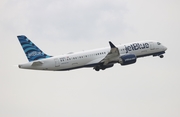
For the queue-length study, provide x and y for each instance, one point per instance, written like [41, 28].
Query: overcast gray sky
[149, 88]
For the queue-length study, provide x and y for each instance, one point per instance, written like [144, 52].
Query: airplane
[98, 59]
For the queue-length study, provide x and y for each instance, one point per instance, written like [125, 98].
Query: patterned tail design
[31, 50]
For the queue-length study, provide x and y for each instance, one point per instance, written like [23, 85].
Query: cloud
[72, 20]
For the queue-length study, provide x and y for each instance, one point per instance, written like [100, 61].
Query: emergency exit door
[151, 45]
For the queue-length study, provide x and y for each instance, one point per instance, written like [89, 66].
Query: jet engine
[128, 59]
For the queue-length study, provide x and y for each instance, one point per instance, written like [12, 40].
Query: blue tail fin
[31, 50]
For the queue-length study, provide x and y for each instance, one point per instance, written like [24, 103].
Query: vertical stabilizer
[31, 50]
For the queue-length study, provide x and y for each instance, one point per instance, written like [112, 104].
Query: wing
[112, 56]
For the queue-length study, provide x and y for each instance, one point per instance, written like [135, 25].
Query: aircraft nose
[165, 48]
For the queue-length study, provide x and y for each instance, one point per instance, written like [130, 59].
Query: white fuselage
[91, 58]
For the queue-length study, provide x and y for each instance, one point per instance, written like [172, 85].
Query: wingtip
[21, 36]
[112, 45]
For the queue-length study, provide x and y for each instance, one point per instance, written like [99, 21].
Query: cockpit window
[158, 43]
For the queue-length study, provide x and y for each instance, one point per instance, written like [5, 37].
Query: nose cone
[165, 48]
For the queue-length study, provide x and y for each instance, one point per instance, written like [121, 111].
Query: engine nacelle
[128, 59]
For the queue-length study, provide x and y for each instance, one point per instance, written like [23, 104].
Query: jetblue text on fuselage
[136, 46]
[34, 53]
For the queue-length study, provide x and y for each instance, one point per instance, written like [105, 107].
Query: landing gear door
[151, 45]
[57, 63]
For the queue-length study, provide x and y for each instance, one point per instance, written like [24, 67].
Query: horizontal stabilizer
[37, 63]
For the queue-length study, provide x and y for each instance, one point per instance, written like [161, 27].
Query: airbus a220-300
[98, 59]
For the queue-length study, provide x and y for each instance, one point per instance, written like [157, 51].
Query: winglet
[112, 45]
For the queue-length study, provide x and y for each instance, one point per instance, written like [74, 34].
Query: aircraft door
[151, 45]
[57, 63]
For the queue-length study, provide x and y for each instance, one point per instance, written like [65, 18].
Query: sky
[148, 88]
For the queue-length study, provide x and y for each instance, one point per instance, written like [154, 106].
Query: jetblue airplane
[98, 59]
